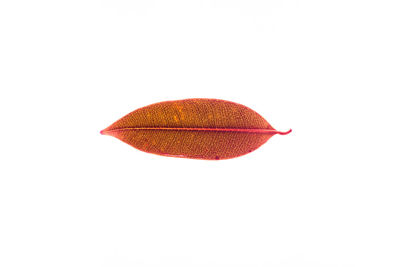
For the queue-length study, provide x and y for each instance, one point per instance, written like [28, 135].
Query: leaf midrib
[242, 130]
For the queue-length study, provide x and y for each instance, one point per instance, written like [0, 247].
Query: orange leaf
[194, 128]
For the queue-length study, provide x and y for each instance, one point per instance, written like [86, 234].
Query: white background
[325, 195]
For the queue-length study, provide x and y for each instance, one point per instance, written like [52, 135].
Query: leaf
[194, 128]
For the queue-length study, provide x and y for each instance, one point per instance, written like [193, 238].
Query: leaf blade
[194, 128]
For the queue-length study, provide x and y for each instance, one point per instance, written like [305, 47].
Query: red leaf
[194, 128]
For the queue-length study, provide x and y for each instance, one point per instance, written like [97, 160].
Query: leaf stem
[284, 133]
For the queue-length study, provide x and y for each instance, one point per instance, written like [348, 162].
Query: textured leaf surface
[194, 128]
